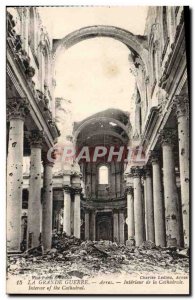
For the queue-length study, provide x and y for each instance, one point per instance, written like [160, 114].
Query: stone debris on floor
[72, 257]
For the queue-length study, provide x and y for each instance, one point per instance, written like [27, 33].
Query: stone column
[34, 205]
[130, 214]
[121, 227]
[138, 206]
[182, 107]
[86, 224]
[145, 212]
[77, 213]
[92, 225]
[170, 189]
[116, 226]
[149, 205]
[17, 111]
[47, 205]
[67, 210]
[159, 210]
[143, 205]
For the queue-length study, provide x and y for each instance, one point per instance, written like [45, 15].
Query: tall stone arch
[135, 43]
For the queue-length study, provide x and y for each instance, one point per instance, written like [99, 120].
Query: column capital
[143, 176]
[129, 190]
[36, 138]
[46, 161]
[128, 178]
[155, 156]
[67, 189]
[147, 171]
[168, 136]
[17, 108]
[137, 171]
[76, 190]
[86, 210]
[181, 105]
[67, 172]
[76, 174]
[92, 210]
[128, 175]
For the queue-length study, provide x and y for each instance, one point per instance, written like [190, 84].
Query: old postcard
[98, 150]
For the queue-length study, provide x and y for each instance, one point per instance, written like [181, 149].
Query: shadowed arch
[96, 119]
[135, 43]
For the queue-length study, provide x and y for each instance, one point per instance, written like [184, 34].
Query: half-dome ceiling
[107, 127]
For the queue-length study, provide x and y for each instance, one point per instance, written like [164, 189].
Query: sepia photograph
[98, 150]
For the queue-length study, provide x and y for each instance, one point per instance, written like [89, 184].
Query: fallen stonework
[72, 257]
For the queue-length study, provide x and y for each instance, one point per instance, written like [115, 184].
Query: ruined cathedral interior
[142, 200]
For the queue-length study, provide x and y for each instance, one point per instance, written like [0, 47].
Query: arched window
[103, 175]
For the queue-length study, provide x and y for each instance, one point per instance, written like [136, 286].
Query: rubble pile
[70, 257]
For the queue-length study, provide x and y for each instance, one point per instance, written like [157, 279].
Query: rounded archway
[135, 43]
[112, 122]
[103, 119]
